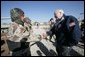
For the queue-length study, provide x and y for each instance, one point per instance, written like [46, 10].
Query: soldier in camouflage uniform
[20, 24]
[19, 30]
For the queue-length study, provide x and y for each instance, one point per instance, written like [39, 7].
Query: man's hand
[72, 24]
[44, 35]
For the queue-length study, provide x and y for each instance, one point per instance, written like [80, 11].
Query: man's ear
[55, 16]
[61, 14]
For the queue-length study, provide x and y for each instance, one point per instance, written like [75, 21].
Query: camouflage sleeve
[12, 28]
[10, 32]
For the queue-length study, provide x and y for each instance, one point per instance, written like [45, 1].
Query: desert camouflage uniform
[18, 31]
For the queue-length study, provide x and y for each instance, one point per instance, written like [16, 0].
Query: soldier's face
[22, 18]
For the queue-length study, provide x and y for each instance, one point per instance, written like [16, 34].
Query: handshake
[45, 34]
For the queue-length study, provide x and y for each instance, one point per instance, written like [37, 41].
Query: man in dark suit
[67, 32]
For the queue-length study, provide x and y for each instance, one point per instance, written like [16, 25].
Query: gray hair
[59, 10]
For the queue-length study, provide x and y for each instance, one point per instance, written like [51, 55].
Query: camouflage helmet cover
[16, 13]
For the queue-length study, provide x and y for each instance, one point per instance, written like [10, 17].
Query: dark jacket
[66, 35]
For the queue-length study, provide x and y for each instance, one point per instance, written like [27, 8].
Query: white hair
[59, 10]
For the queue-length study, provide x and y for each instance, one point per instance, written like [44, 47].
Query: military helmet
[16, 13]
